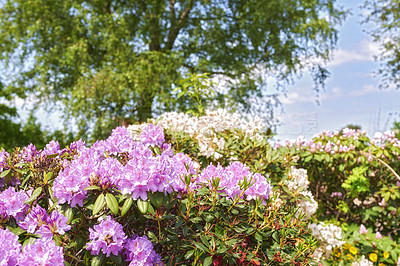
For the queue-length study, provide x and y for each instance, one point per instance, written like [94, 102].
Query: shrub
[123, 202]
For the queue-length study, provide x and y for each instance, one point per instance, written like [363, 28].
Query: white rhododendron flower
[328, 236]
[204, 128]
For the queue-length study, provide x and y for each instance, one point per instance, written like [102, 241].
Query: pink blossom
[378, 235]
[363, 230]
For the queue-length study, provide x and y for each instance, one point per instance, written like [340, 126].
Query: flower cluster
[39, 222]
[42, 252]
[297, 183]
[108, 237]
[231, 177]
[140, 251]
[329, 237]
[143, 171]
[204, 128]
[12, 203]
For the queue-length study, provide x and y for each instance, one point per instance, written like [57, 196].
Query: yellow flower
[346, 245]
[381, 264]
[353, 250]
[386, 255]
[349, 257]
[373, 257]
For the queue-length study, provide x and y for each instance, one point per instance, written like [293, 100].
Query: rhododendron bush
[137, 199]
[339, 180]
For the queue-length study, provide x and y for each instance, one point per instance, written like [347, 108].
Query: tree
[385, 14]
[108, 61]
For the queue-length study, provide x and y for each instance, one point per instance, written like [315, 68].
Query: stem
[159, 229]
[382, 162]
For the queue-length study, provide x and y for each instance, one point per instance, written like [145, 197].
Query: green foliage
[385, 17]
[113, 62]
[364, 244]
[212, 228]
[198, 88]
[356, 182]
[396, 129]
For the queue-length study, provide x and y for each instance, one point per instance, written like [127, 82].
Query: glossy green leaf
[127, 205]
[112, 203]
[4, 173]
[142, 205]
[35, 194]
[92, 188]
[98, 205]
[208, 261]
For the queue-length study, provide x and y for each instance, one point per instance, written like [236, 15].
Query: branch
[177, 26]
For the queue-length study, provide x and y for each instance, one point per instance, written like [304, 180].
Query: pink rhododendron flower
[363, 230]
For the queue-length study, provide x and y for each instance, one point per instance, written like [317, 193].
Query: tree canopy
[104, 62]
[385, 14]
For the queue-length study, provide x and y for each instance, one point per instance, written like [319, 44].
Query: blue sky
[352, 94]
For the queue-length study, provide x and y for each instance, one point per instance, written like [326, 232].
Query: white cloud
[366, 50]
[366, 89]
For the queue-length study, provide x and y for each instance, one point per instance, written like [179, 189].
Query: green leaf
[156, 199]
[16, 230]
[26, 179]
[35, 194]
[97, 260]
[29, 241]
[112, 203]
[92, 188]
[98, 205]
[127, 205]
[205, 241]
[4, 173]
[201, 246]
[189, 254]
[52, 155]
[142, 205]
[116, 259]
[69, 213]
[208, 261]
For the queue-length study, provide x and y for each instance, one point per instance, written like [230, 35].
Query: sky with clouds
[352, 94]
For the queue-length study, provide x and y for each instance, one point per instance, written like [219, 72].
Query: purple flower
[10, 248]
[140, 251]
[183, 165]
[261, 188]
[28, 153]
[3, 160]
[232, 175]
[107, 173]
[108, 235]
[78, 145]
[42, 252]
[39, 222]
[142, 174]
[34, 220]
[336, 194]
[119, 141]
[152, 135]
[52, 147]
[378, 235]
[3, 214]
[69, 185]
[14, 203]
